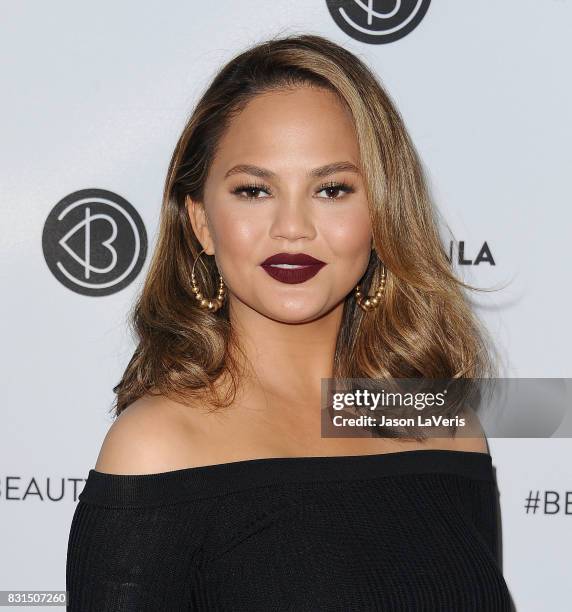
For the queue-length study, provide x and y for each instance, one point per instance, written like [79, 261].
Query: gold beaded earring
[371, 302]
[208, 304]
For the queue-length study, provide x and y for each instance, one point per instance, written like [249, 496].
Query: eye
[250, 189]
[335, 187]
[253, 189]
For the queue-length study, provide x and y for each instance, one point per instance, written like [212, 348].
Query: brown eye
[251, 190]
[334, 188]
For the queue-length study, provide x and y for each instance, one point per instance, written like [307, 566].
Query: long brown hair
[424, 326]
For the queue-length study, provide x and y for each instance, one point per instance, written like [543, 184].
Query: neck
[287, 359]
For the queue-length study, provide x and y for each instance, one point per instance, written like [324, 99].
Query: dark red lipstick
[292, 268]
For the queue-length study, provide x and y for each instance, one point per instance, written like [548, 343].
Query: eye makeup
[257, 187]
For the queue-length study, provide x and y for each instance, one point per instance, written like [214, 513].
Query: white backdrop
[94, 96]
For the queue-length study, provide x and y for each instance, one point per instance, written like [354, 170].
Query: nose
[293, 220]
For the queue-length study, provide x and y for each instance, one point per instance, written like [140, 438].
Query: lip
[298, 259]
[306, 267]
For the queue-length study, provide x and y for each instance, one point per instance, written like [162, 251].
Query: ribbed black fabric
[406, 531]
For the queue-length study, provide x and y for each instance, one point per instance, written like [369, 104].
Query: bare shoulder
[473, 438]
[474, 441]
[474, 444]
[470, 438]
[150, 436]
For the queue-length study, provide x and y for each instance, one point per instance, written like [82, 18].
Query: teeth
[286, 266]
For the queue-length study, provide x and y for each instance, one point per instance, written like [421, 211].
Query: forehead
[296, 127]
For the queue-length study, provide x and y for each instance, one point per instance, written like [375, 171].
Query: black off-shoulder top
[406, 531]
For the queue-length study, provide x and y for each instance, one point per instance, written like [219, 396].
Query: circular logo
[378, 21]
[94, 242]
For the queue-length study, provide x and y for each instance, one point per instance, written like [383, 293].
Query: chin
[295, 312]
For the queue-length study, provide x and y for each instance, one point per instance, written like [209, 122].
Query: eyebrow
[320, 172]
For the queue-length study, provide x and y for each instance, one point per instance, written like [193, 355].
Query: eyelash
[339, 185]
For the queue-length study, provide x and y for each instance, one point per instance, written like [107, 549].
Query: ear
[199, 221]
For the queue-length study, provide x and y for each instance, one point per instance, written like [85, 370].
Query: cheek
[349, 238]
[235, 237]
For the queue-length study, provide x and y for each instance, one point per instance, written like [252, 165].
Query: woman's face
[270, 191]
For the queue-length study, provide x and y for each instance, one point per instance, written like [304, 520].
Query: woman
[293, 191]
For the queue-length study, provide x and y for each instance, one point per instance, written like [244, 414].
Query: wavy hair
[424, 326]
